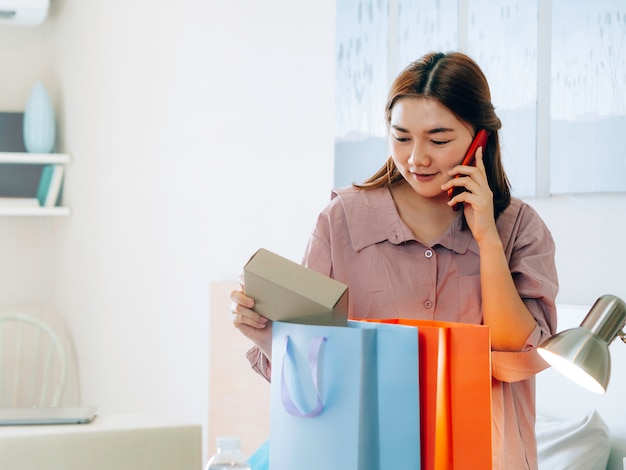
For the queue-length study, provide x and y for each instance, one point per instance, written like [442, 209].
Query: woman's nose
[419, 156]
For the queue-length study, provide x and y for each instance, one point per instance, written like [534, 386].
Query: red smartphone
[480, 140]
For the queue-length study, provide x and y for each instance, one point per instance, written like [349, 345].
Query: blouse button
[428, 253]
[428, 304]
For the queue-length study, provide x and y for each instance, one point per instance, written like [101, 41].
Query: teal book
[44, 184]
[54, 190]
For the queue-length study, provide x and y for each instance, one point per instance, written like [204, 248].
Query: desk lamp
[582, 354]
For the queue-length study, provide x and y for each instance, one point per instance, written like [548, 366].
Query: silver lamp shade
[582, 354]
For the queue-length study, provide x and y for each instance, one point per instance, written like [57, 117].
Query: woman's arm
[503, 309]
[508, 318]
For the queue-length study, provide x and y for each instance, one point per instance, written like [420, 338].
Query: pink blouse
[361, 241]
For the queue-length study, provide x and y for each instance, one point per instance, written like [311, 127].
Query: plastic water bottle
[229, 456]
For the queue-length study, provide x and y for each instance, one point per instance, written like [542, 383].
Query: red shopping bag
[455, 394]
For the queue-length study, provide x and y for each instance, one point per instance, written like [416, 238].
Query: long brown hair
[457, 82]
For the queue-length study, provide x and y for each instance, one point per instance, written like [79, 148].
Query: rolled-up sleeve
[259, 362]
[531, 254]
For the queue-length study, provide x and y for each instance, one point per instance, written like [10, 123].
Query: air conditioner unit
[23, 12]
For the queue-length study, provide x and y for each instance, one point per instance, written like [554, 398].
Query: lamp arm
[622, 335]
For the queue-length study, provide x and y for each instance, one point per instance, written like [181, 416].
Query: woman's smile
[424, 177]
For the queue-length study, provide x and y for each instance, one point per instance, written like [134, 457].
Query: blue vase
[39, 122]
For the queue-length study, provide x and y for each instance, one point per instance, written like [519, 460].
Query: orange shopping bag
[455, 394]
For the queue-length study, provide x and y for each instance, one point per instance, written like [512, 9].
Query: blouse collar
[372, 218]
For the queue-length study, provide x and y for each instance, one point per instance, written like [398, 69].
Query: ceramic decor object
[39, 122]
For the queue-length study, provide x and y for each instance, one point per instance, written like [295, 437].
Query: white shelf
[34, 211]
[33, 158]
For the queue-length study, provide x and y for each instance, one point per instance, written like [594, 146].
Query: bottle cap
[228, 443]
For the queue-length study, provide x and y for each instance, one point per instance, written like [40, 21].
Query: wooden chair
[33, 363]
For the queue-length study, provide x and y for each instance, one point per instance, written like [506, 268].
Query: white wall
[199, 131]
[590, 234]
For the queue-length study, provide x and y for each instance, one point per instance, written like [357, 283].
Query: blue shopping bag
[259, 460]
[344, 397]
[397, 360]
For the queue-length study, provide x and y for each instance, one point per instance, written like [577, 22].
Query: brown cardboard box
[286, 291]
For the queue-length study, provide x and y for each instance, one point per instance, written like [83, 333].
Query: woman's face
[426, 142]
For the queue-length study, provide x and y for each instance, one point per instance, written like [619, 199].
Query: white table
[112, 442]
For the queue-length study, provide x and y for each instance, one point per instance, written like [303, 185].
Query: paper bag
[455, 394]
[336, 402]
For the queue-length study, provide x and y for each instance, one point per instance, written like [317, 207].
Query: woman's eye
[440, 142]
[400, 139]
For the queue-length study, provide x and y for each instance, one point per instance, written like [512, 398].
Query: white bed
[577, 429]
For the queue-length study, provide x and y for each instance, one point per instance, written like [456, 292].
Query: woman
[396, 241]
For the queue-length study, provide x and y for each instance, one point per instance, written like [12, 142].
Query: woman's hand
[254, 326]
[477, 200]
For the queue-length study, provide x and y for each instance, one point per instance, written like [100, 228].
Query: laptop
[59, 415]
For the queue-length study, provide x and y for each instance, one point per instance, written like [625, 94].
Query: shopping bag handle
[314, 353]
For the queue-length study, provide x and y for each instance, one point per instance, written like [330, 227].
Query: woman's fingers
[472, 179]
[242, 313]
[242, 299]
